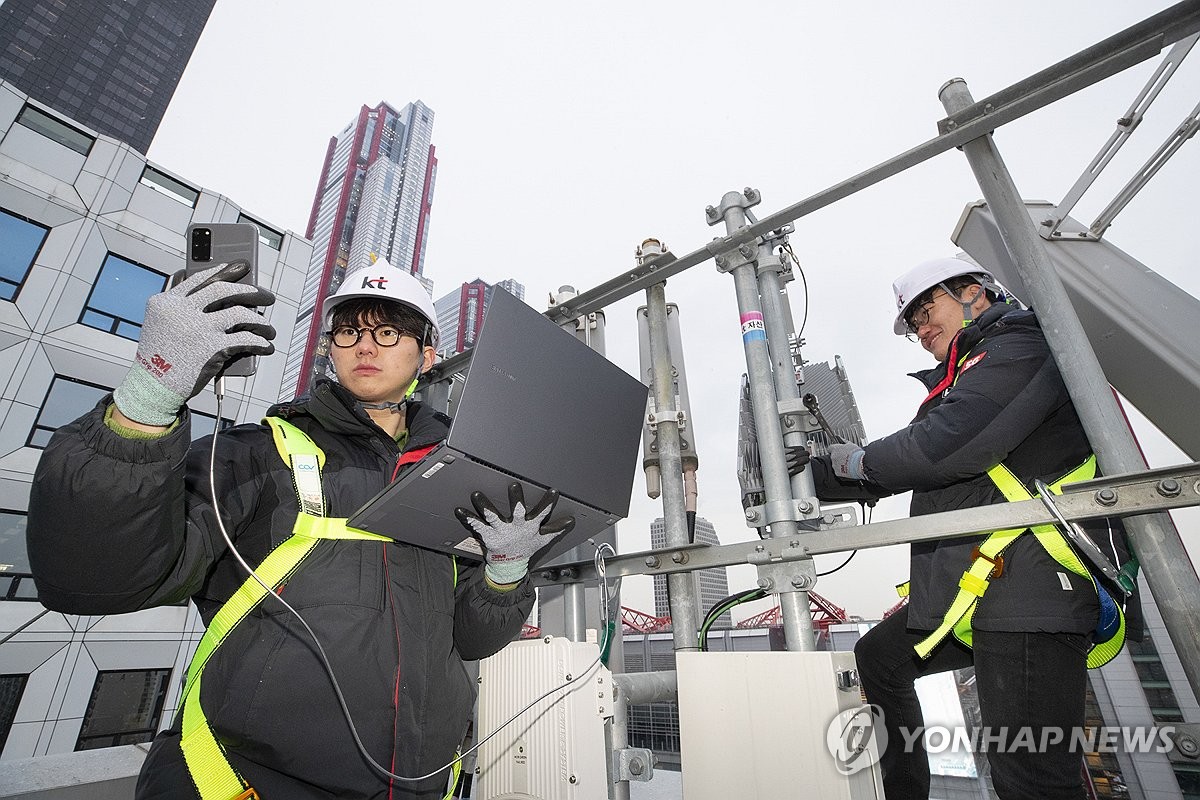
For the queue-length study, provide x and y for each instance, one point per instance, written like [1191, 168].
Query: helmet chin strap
[396, 408]
[968, 318]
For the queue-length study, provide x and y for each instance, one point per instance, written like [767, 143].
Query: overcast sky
[567, 133]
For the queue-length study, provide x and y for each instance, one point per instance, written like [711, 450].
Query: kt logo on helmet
[374, 283]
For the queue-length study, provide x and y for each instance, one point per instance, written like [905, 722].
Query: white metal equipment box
[555, 750]
[769, 724]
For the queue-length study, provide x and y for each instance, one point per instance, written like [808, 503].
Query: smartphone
[213, 243]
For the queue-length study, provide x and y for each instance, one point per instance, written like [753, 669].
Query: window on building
[21, 240]
[1188, 777]
[13, 556]
[1163, 704]
[117, 303]
[67, 400]
[124, 709]
[1103, 768]
[268, 236]
[53, 128]
[11, 689]
[1152, 675]
[165, 184]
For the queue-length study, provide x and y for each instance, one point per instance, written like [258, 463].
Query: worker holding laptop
[126, 513]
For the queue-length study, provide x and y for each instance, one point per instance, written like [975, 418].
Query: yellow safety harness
[215, 778]
[988, 563]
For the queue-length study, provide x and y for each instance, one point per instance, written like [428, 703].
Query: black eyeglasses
[384, 335]
[918, 315]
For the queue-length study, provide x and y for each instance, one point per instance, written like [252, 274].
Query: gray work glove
[510, 541]
[847, 461]
[189, 333]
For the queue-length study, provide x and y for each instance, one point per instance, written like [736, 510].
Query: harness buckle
[249, 794]
[997, 562]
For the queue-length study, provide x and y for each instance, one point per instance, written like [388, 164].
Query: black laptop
[539, 407]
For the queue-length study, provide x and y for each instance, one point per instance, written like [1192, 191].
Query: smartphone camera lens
[201, 244]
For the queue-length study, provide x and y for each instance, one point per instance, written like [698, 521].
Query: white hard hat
[382, 281]
[912, 284]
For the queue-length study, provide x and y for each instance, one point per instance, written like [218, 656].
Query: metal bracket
[756, 516]
[736, 249]
[839, 517]
[1064, 230]
[653, 418]
[787, 576]
[749, 198]
[769, 263]
[732, 256]
[780, 234]
[793, 416]
[633, 764]
[801, 509]
[775, 550]
[848, 680]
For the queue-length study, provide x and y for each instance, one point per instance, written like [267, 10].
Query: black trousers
[1037, 680]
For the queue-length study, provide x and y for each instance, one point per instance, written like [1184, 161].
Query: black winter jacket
[1008, 404]
[116, 525]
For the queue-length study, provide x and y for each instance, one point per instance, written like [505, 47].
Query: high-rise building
[460, 312]
[84, 241]
[712, 584]
[374, 197]
[111, 65]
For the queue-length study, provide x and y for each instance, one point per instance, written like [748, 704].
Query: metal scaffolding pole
[794, 603]
[632, 689]
[685, 604]
[780, 508]
[787, 391]
[1158, 546]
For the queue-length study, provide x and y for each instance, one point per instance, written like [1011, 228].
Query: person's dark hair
[955, 285]
[960, 282]
[375, 311]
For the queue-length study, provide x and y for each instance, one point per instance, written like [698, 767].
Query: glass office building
[110, 65]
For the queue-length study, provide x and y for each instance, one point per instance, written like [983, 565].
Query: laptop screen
[541, 404]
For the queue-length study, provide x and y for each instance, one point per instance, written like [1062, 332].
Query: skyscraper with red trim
[374, 195]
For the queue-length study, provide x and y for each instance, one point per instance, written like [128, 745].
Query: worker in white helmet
[123, 518]
[1022, 607]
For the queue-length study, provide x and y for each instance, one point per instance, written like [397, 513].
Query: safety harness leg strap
[972, 585]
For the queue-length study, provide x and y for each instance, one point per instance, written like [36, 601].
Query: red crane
[640, 622]
[824, 614]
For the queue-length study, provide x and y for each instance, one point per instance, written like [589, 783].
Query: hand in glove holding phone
[511, 540]
[189, 333]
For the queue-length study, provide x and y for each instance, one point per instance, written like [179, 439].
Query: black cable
[724, 605]
[804, 282]
[849, 558]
